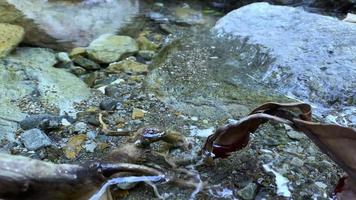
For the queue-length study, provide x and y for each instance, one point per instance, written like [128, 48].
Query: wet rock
[350, 18]
[85, 63]
[109, 48]
[146, 54]
[146, 44]
[187, 16]
[128, 66]
[294, 134]
[10, 37]
[166, 28]
[29, 71]
[43, 121]
[248, 192]
[90, 146]
[74, 146]
[315, 66]
[78, 51]
[90, 78]
[187, 79]
[157, 17]
[137, 113]
[297, 162]
[35, 139]
[63, 57]
[46, 22]
[77, 70]
[108, 104]
[80, 127]
[113, 91]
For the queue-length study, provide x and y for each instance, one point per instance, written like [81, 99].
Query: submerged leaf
[338, 142]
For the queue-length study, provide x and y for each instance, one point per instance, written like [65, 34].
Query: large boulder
[315, 55]
[29, 73]
[10, 37]
[67, 24]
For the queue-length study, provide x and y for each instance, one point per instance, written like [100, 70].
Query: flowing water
[195, 82]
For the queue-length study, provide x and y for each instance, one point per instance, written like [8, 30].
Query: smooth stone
[74, 146]
[128, 66]
[85, 63]
[109, 48]
[35, 139]
[248, 192]
[78, 70]
[188, 16]
[146, 44]
[78, 51]
[146, 54]
[108, 104]
[43, 121]
[63, 57]
[297, 162]
[10, 37]
[80, 127]
[137, 113]
[311, 62]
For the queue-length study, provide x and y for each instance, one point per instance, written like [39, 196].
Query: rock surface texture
[28, 74]
[315, 55]
[10, 37]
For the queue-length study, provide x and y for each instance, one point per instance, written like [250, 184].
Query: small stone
[146, 44]
[80, 127]
[297, 162]
[43, 121]
[85, 63]
[91, 135]
[108, 104]
[321, 185]
[90, 146]
[77, 51]
[295, 135]
[248, 192]
[34, 139]
[90, 78]
[10, 37]
[74, 146]
[127, 66]
[78, 70]
[138, 113]
[166, 28]
[63, 57]
[110, 48]
[146, 54]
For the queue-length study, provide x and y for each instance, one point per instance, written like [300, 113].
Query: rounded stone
[109, 48]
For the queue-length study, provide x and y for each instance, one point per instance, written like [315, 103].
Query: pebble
[297, 162]
[137, 113]
[128, 66]
[108, 104]
[43, 121]
[248, 192]
[63, 57]
[85, 63]
[80, 127]
[74, 146]
[321, 185]
[34, 139]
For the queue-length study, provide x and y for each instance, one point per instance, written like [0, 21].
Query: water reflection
[69, 23]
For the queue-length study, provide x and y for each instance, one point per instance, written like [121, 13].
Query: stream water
[192, 81]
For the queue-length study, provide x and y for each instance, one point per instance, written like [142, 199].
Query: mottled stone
[34, 139]
[10, 37]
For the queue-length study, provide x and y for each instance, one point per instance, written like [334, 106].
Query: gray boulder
[29, 71]
[315, 55]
